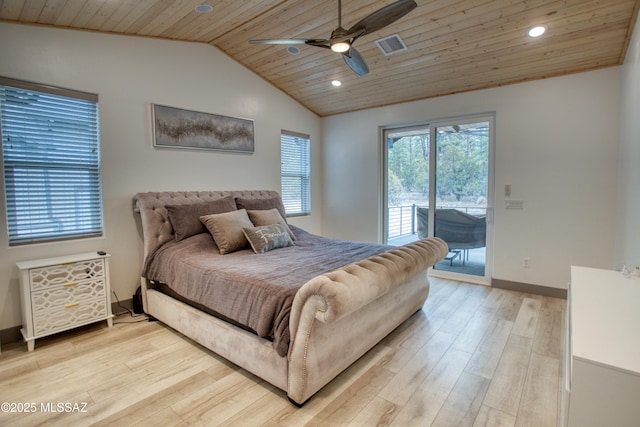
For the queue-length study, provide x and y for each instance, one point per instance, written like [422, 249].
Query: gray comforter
[252, 290]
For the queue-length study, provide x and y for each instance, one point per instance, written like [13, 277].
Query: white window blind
[294, 158]
[51, 159]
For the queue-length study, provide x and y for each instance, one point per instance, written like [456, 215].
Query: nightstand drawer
[72, 314]
[55, 297]
[68, 273]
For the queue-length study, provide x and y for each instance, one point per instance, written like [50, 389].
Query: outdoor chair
[461, 231]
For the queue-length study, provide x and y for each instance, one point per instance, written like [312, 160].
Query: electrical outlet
[526, 262]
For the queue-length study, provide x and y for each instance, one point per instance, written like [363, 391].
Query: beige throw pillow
[226, 229]
[261, 204]
[269, 217]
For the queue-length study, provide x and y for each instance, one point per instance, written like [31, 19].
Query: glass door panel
[462, 195]
[407, 157]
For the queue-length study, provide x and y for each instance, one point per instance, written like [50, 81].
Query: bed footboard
[339, 316]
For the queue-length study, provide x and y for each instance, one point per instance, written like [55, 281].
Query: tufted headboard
[156, 227]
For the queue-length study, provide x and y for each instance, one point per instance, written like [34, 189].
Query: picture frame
[179, 128]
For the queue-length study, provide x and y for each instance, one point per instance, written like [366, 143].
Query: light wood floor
[474, 356]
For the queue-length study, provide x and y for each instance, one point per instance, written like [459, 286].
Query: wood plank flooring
[474, 356]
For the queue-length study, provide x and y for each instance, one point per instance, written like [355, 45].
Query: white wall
[128, 74]
[628, 231]
[556, 144]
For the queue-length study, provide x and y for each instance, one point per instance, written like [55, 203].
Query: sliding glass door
[438, 183]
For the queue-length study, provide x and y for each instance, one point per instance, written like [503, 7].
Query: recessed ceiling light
[203, 8]
[336, 83]
[537, 31]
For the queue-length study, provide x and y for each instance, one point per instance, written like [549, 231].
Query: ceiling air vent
[391, 45]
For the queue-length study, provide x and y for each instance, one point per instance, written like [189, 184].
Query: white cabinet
[601, 384]
[61, 293]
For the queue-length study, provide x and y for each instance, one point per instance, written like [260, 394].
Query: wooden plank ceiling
[454, 45]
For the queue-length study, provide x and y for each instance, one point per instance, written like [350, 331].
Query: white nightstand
[62, 293]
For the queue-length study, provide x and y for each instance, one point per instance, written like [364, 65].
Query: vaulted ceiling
[453, 45]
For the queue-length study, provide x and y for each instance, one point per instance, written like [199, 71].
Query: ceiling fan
[342, 40]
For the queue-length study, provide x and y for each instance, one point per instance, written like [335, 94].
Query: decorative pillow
[269, 217]
[226, 229]
[267, 237]
[185, 219]
[261, 205]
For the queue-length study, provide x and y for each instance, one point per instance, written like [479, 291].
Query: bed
[328, 312]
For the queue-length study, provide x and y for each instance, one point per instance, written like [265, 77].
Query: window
[294, 158]
[51, 159]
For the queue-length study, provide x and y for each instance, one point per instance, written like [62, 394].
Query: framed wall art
[179, 128]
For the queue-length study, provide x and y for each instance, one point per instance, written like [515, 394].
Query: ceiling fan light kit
[340, 47]
[341, 40]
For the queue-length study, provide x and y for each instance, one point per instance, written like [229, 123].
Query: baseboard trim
[121, 307]
[529, 288]
[10, 335]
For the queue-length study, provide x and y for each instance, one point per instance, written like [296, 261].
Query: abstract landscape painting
[179, 128]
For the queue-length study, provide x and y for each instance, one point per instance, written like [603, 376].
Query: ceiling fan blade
[355, 61]
[383, 17]
[287, 41]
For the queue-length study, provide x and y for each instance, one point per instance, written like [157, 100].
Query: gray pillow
[185, 219]
[267, 237]
[269, 217]
[226, 229]
[261, 204]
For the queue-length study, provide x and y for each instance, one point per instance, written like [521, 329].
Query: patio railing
[403, 219]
